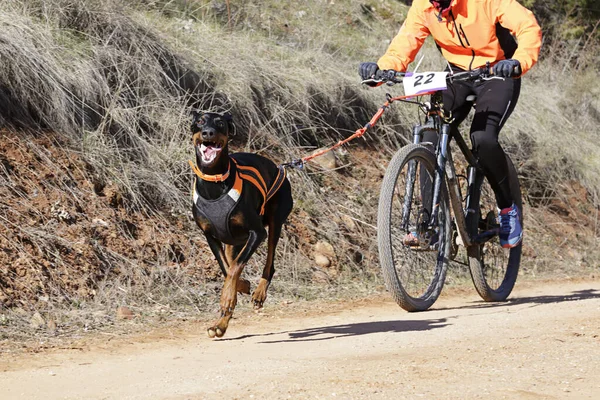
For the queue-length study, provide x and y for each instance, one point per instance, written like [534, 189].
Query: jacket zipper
[460, 40]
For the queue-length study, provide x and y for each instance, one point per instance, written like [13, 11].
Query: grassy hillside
[96, 97]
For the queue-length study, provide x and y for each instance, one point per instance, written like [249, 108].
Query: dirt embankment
[67, 236]
[65, 230]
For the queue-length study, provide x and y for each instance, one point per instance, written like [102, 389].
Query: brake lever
[489, 78]
[370, 81]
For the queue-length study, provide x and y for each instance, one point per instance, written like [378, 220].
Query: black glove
[507, 68]
[367, 70]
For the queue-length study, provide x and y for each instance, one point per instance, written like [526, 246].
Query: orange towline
[359, 132]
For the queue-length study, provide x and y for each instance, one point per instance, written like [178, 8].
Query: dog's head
[210, 135]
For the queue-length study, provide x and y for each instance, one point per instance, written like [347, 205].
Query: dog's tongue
[209, 153]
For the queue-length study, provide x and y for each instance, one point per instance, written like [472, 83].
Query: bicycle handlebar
[392, 77]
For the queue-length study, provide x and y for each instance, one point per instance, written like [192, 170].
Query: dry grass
[117, 83]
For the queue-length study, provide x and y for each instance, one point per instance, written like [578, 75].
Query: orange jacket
[466, 34]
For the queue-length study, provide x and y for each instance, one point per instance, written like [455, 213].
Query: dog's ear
[230, 125]
[196, 119]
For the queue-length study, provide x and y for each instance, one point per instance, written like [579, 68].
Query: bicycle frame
[445, 169]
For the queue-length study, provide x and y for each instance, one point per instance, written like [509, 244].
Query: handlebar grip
[387, 75]
[516, 72]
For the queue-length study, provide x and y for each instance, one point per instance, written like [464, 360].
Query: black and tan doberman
[235, 197]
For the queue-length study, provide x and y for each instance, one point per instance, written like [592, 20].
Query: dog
[235, 197]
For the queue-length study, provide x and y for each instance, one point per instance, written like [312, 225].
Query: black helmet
[441, 5]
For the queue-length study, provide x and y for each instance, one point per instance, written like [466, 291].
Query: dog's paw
[258, 299]
[215, 332]
[218, 330]
[258, 304]
[260, 294]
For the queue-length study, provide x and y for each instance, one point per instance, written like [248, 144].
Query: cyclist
[470, 33]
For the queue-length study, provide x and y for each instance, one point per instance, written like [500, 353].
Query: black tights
[496, 100]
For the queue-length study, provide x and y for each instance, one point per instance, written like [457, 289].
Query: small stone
[124, 313]
[348, 222]
[326, 160]
[100, 222]
[325, 248]
[321, 260]
[51, 325]
[320, 276]
[37, 321]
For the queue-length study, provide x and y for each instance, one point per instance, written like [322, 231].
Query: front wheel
[494, 269]
[413, 255]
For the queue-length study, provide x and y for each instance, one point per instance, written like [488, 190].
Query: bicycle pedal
[486, 236]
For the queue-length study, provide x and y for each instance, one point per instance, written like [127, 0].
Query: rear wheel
[494, 269]
[413, 256]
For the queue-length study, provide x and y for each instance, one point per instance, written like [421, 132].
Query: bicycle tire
[494, 282]
[399, 271]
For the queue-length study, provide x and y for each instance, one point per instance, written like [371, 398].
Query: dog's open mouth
[208, 151]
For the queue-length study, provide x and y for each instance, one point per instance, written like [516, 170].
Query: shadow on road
[399, 326]
[533, 300]
[362, 328]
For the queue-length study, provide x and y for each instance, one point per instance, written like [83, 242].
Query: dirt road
[544, 344]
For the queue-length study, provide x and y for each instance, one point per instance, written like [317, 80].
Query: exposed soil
[542, 344]
[65, 230]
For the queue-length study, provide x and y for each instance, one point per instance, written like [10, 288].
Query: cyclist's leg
[496, 100]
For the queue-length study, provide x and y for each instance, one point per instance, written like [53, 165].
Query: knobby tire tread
[476, 267]
[386, 258]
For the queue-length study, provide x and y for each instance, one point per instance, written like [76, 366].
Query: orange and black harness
[218, 211]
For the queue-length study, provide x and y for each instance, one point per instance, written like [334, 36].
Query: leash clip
[298, 164]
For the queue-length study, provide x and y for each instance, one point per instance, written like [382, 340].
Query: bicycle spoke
[494, 269]
[410, 251]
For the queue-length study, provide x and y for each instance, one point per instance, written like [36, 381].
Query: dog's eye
[201, 122]
[220, 124]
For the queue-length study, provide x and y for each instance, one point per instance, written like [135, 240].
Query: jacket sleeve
[522, 24]
[406, 44]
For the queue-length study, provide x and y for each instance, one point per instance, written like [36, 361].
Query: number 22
[419, 78]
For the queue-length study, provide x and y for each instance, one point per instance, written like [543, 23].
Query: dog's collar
[210, 178]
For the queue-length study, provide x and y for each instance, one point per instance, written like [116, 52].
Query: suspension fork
[442, 158]
[411, 177]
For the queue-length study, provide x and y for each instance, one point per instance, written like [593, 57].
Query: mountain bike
[424, 216]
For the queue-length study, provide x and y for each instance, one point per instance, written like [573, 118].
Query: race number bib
[424, 82]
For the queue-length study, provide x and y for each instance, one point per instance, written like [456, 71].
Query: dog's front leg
[217, 249]
[260, 293]
[229, 293]
[224, 261]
